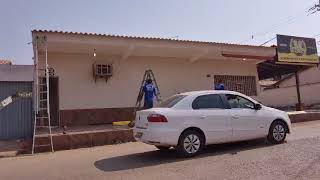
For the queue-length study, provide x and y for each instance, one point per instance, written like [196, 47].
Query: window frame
[102, 69]
[223, 103]
[244, 84]
[229, 105]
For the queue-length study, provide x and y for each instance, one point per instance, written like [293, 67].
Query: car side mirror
[257, 106]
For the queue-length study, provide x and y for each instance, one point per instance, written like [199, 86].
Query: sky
[230, 21]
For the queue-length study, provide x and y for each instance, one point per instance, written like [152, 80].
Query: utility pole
[314, 9]
[299, 106]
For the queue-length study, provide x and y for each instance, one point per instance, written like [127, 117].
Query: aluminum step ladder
[42, 121]
[147, 75]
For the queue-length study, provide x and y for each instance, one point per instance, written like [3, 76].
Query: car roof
[203, 92]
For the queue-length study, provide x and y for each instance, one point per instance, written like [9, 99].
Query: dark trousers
[148, 104]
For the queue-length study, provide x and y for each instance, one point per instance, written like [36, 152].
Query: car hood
[276, 111]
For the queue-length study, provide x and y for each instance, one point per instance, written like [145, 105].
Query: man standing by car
[149, 91]
[219, 85]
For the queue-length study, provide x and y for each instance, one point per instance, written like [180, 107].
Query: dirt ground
[298, 158]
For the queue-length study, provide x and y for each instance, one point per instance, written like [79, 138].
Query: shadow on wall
[153, 158]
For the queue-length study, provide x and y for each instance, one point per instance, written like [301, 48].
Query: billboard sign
[297, 50]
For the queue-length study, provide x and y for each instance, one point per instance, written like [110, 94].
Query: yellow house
[79, 95]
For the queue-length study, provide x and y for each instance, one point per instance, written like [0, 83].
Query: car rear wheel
[190, 143]
[277, 132]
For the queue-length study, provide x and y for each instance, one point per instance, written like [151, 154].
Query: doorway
[53, 99]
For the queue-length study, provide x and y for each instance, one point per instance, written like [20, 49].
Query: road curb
[7, 154]
[303, 116]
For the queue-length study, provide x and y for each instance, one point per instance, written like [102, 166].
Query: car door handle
[203, 117]
[235, 117]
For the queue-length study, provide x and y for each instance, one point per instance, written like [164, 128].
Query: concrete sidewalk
[9, 148]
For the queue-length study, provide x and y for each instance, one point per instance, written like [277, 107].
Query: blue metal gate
[16, 118]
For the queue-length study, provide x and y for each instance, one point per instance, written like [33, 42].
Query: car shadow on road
[152, 158]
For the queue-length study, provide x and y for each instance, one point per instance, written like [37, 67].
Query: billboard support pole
[299, 105]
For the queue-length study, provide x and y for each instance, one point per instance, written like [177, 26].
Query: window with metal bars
[103, 69]
[243, 84]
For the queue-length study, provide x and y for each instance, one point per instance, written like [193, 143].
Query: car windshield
[170, 102]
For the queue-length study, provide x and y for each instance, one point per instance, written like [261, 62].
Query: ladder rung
[41, 109]
[46, 134]
[41, 69]
[41, 100]
[42, 92]
[42, 117]
[42, 145]
[42, 126]
[42, 84]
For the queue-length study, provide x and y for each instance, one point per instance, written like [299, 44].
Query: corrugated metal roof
[14, 73]
[141, 37]
[4, 61]
[16, 118]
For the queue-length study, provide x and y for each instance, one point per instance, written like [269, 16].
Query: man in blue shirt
[219, 86]
[149, 91]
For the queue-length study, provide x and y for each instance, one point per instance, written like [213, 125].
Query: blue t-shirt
[219, 86]
[149, 92]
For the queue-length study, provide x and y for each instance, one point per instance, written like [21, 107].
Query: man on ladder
[149, 92]
[149, 88]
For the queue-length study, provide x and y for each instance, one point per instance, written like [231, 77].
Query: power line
[276, 37]
[314, 9]
[287, 21]
[267, 41]
[290, 20]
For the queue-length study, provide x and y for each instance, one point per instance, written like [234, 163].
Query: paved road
[299, 158]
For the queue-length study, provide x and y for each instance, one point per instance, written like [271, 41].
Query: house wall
[16, 73]
[311, 75]
[286, 95]
[80, 95]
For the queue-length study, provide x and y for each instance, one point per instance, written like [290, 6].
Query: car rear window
[170, 102]
[211, 101]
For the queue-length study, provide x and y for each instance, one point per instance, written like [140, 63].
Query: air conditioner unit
[102, 71]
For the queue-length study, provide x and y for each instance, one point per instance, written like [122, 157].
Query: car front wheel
[190, 143]
[277, 132]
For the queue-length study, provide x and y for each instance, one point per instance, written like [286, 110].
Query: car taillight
[157, 118]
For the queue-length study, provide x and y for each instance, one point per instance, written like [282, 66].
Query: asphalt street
[298, 158]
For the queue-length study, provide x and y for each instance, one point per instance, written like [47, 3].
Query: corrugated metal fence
[16, 118]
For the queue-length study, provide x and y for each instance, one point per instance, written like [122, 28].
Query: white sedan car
[191, 120]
